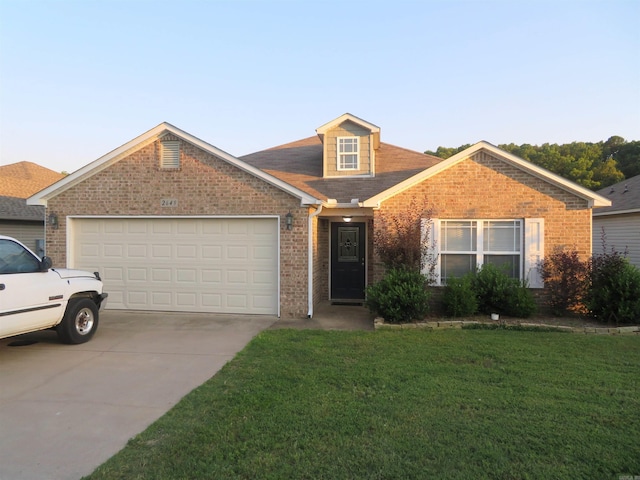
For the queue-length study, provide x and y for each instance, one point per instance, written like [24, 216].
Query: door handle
[1, 286]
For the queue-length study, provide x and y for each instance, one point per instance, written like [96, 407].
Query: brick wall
[487, 188]
[203, 185]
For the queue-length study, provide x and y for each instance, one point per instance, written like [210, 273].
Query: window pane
[456, 265]
[348, 145]
[509, 264]
[458, 236]
[348, 161]
[502, 236]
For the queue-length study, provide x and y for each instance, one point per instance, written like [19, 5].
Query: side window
[15, 259]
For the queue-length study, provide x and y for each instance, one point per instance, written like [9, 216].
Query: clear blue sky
[80, 78]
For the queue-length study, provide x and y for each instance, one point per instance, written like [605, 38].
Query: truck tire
[80, 321]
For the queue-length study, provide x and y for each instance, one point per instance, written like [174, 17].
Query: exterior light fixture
[289, 221]
[346, 218]
[53, 221]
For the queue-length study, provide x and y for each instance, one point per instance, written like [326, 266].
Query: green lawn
[463, 404]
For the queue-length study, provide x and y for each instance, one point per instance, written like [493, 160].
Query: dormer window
[348, 153]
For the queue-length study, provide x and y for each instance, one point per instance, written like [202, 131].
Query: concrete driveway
[65, 409]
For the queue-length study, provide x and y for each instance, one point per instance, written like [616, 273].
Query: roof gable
[593, 198]
[347, 117]
[145, 139]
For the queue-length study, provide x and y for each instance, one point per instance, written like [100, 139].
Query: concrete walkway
[332, 317]
[65, 409]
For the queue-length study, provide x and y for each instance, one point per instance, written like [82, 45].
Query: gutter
[310, 260]
[616, 212]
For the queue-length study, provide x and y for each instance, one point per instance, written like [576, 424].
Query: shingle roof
[299, 163]
[23, 179]
[12, 208]
[624, 196]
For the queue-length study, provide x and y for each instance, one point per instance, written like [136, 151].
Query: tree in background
[592, 165]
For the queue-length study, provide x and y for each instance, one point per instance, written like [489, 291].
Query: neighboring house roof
[12, 208]
[23, 179]
[300, 164]
[148, 138]
[624, 196]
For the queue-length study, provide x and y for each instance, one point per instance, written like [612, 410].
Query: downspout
[310, 259]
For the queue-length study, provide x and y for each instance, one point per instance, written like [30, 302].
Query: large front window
[467, 244]
[347, 153]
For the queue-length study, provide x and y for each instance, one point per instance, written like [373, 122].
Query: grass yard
[410, 404]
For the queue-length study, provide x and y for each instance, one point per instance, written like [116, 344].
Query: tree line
[592, 165]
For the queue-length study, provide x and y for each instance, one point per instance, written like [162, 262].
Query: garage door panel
[161, 251]
[212, 252]
[114, 251]
[137, 274]
[136, 227]
[187, 275]
[136, 298]
[160, 274]
[210, 265]
[213, 277]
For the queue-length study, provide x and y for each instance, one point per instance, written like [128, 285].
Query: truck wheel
[80, 321]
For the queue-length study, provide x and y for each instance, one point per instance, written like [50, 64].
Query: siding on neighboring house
[29, 233]
[622, 233]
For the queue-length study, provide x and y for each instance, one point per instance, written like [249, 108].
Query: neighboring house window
[170, 154]
[467, 244]
[348, 153]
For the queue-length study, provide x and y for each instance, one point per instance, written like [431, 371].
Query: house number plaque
[168, 202]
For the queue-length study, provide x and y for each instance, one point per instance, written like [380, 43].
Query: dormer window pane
[348, 153]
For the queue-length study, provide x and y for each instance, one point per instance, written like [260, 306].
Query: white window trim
[530, 249]
[340, 154]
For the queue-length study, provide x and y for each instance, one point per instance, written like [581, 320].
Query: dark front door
[347, 261]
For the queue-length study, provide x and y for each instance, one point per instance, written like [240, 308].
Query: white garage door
[222, 265]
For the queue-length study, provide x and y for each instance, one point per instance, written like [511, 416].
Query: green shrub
[496, 292]
[401, 296]
[492, 289]
[614, 292]
[459, 299]
[521, 302]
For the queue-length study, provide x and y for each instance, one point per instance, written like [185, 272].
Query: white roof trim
[593, 198]
[148, 137]
[344, 117]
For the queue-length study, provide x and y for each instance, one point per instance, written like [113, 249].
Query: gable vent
[170, 154]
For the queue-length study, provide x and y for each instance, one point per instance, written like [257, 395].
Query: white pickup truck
[34, 296]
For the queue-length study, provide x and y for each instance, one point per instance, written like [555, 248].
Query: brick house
[173, 223]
